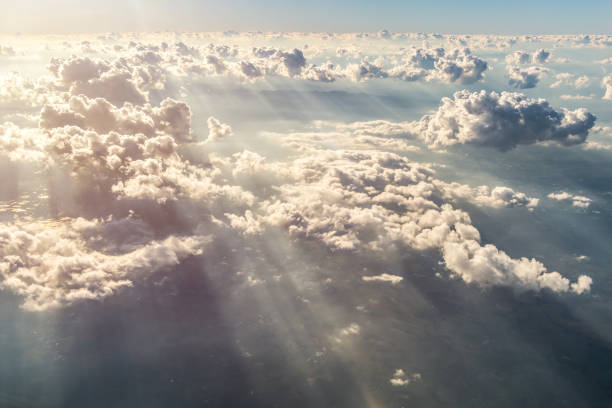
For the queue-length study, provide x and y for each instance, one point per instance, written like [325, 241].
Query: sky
[479, 17]
[339, 217]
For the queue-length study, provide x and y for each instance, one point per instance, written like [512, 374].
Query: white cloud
[576, 97]
[457, 65]
[346, 188]
[57, 265]
[606, 83]
[502, 121]
[568, 79]
[124, 80]
[577, 200]
[525, 78]
[217, 130]
[489, 266]
[385, 277]
[169, 118]
[356, 200]
[401, 379]
[498, 197]
[540, 56]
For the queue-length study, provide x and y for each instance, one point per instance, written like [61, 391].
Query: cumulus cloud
[124, 80]
[576, 200]
[400, 378]
[346, 190]
[170, 117]
[518, 58]
[458, 65]
[565, 78]
[502, 121]
[356, 200]
[582, 285]
[606, 83]
[582, 82]
[17, 91]
[217, 130]
[498, 197]
[57, 265]
[490, 266]
[540, 56]
[525, 78]
[139, 159]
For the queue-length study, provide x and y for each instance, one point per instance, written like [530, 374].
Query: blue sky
[498, 17]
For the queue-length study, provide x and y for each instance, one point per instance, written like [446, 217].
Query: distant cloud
[525, 78]
[401, 379]
[577, 201]
[568, 79]
[606, 83]
[540, 56]
[498, 197]
[385, 277]
[217, 130]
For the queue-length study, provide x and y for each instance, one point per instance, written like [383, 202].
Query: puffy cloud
[561, 79]
[365, 71]
[121, 154]
[170, 117]
[582, 285]
[525, 78]
[217, 130]
[401, 379]
[20, 145]
[498, 197]
[502, 121]
[140, 162]
[606, 83]
[582, 82]
[260, 63]
[294, 61]
[458, 65]
[577, 200]
[489, 266]
[124, 80]
[566, 78]
[540, 56]
[7, 51]
[18, 91]
[518, 58]
[57, 265]
[356, 200]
